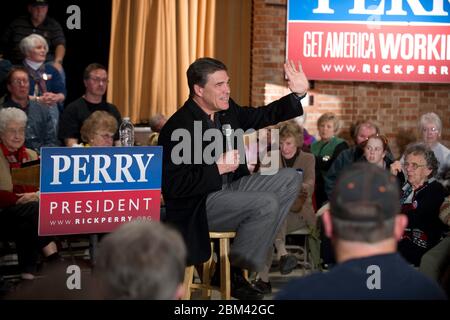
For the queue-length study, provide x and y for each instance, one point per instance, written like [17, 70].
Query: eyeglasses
[13, 132]
[20, 82]
[106, 136]
[432, 129]
[413, 165]
[99, 80]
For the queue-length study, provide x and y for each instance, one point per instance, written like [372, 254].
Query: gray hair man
[142, 260]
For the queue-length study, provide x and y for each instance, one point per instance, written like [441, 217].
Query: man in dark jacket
[364, 224]
[40, 131]
[217, 193]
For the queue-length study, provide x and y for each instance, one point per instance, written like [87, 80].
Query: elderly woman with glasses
[46, 84]
[98, 129]
[422, 196]
[430, 127]
[19, 204]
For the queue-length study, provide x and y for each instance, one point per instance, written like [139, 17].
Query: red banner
[96, 212]
[347, 51]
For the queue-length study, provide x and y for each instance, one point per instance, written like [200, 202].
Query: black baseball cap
[365, 193]
[36, 3]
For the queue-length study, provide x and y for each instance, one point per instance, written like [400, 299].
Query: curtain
[233, 44]
[153, 42]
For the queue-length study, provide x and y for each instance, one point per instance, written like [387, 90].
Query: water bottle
[126, 132]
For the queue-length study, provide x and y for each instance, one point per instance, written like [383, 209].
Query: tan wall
[395, 107]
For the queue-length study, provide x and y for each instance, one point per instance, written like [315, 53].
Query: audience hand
[297, 81]
[228, 161]
[396, 167]
[27, 197]
[50, 99]
[444, 211]
[304, 189]
[58, 66]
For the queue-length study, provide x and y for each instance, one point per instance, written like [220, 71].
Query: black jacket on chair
[186, 186]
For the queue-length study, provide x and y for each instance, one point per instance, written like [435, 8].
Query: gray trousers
[254, 206]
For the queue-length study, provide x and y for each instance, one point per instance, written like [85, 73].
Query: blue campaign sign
[100, 168]
[419, 11]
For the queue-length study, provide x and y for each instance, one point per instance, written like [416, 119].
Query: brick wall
[395, 107]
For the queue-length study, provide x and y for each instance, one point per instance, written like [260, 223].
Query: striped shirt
[22, 27]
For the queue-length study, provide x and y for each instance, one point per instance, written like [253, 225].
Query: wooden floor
[78, 254]
[277, 281]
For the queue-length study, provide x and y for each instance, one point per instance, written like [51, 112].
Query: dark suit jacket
[185, 186]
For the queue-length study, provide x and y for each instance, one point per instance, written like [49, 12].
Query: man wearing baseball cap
[364, 225]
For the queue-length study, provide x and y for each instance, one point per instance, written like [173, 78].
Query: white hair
[8, 115]
[32, 41]
[430, 117]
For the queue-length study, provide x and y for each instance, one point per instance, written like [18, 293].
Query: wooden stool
[205, 286]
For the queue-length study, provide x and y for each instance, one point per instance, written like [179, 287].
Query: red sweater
[15, 159]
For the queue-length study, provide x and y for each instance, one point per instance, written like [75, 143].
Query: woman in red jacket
[19, 205]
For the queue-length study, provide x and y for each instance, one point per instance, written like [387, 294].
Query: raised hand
[297, 81]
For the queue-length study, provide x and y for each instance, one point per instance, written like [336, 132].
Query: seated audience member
[421, 199]
[430, 126]
[37, 21]
[362, 132]
[71, 120]
[364, 225]
[156, 124]
[375, 149]
[19, 205]
[142, 260]
[326, 151]
[332, 155]
[301, 213]
[98, 130]
[40, 131]
[46, 84]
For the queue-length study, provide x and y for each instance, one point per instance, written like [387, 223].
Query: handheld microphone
[228, 132]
